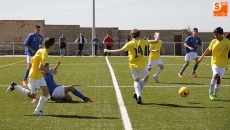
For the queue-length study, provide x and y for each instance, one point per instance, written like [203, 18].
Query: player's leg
[95, 47]
[77, 93]
[144, 73]
[195, 56]
[188, 58]
[61, 49]
[45, 92]
[215, 82]
[137, 86]
[218, 76]
[160, 64]
[28, 59]
[67, 97]
[64, 49]
[109, 48]
[106, 47]
[20, 89]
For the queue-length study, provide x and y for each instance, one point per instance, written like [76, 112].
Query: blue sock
[194, 68]
[182, 70]
[79, 94]
[26, 74]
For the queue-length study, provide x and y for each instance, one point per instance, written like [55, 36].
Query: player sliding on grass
[137, 63]
[220, 47]
[60, 92]
[191, 44]
[154, 58]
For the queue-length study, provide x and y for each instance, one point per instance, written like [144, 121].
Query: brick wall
[17, 30]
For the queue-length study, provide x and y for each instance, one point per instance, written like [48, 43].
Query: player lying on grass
[60, 92]
[137, 63]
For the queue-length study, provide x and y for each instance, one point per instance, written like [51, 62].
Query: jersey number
[138, 50]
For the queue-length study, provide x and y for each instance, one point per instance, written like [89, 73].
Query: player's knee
[45, 91]
[32, 95]
[161, 67]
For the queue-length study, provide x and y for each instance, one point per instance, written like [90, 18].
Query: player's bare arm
[43, 68]
[162, 50]
[154, 50]
[114, 51]
[56, 67]
[157, 37]
[204, 54]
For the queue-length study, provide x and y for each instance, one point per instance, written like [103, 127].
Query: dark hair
[49, 42]
[37, 26]
[228, 35]
[135, 33]
[195, 29]
[46, 64]
[219, 30]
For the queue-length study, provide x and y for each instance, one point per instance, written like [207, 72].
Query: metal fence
[171, 48]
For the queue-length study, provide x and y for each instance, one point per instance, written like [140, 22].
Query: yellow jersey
[136, 50]
[155, 55]
[220, 51]
[40, 57]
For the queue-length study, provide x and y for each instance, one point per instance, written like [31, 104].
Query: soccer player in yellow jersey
[154, 58]
[137, 63]
[36, 79]
[220, 47]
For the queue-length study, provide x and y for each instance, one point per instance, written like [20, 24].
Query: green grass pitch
[162, 109]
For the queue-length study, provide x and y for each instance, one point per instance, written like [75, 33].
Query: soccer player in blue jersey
[32, 44]
[191, 44]
[61, 92]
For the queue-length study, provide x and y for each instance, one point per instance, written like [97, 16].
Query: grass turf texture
[163, 108]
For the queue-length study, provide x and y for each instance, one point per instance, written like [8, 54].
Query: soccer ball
[183, 91]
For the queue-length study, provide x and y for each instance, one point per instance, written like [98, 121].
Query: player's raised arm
[56, 67]
[114, 51]
[157, 37]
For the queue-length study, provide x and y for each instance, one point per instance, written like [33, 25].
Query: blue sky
[124, 14]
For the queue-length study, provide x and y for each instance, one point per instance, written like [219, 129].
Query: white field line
[124, 113]
[162, 86]
[98, 63]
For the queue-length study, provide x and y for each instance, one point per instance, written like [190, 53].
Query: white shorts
[140, 73]
[28, 58]
[155, 63]
[218, 70]
[35, 84]
[191, 55]
[59, 92]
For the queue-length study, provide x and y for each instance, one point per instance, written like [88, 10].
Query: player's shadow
[176, 105]
[70, 85]
[221, 100]
[225, 78]
[61, 101]
[81, 117]
[182, 83]
[78, 116]
[193, 103]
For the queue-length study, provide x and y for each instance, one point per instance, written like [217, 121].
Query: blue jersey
[33, 42]
[50, 82]
[190, 41]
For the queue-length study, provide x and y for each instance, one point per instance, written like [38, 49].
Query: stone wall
[17, 30]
